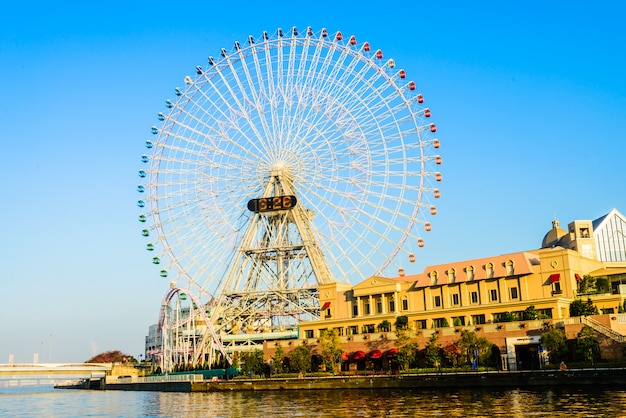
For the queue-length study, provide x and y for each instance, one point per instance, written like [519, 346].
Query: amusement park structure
[291, 161]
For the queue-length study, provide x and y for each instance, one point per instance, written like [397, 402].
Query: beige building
[487, 295]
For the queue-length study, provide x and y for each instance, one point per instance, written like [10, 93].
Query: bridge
[39, 372]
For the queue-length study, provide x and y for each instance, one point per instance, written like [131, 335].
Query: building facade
[487, 295]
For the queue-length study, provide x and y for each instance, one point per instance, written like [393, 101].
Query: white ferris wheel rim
[344, 123]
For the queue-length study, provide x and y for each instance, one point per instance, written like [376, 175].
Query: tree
[530, 313]
[402, 322]
[470, 344]
[300, 359]
[278, 360]
[253, 362]
[384, 326]
[331, 348]
[452, 355]
[555, 342]
[587, 346]
[580, 308]
[407, 349]
[114, 356]
[433, 356]
[593, 285]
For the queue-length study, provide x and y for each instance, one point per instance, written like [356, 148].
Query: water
[44, 401]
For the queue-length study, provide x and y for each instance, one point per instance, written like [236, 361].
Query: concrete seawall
[542, 378]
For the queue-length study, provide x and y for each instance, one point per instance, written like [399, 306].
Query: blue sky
[529, 101]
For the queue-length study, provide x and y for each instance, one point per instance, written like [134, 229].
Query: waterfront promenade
[613, 377]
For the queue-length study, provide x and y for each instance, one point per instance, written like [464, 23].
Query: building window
[339, 331]
[353, 329]
[405, 304]
[458, 321]
[328, 315]
[367, 308]
[392, 305]
[308, 333]
[545, 313]
[355, 310]
[510, 267]
[455, 299]
[478, 319]
[494, 295]
[437, 301]
[452, 275]
[321, 332]
[556, 288]
[470, 272]
[474, 296]
[433, 277]
[514, 294]
[420, 324]
[379, 306]
[489, 270]
[584, 232]
[368, 329]
[440, 323]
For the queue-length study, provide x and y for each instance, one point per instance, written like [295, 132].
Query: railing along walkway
[603, 329]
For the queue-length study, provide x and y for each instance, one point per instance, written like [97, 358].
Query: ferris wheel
[289, 160]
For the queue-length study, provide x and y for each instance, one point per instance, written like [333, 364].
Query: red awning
[555, 277]
[358, 355]
[375, 354]
[345, 356]
[580, 279]
[392, 352]
[326, 305]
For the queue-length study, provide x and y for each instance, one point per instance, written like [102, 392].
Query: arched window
[510, 267]
[433, 277]
[452, 275]
[489, 270]
[470, 272]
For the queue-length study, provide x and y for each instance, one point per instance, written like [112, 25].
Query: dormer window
[510, 267]
[452, 275]
[489, 270]
[433, 277]
[470, 272]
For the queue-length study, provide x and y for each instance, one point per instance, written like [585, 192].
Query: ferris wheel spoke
[356, 220]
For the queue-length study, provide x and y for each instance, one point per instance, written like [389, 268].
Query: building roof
[613, 212]
[554, 236]
[457, 272]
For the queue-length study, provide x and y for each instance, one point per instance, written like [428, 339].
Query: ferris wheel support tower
[272, 281]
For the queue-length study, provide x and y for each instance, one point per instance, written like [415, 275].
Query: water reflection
[393, 403]
[548, 402]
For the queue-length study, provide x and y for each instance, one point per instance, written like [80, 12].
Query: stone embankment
[540, 378]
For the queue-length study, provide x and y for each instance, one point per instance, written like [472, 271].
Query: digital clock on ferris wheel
[266, 204]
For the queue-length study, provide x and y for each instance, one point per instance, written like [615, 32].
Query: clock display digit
[266, 204]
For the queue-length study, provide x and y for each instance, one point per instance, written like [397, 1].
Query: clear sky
[529, 100]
